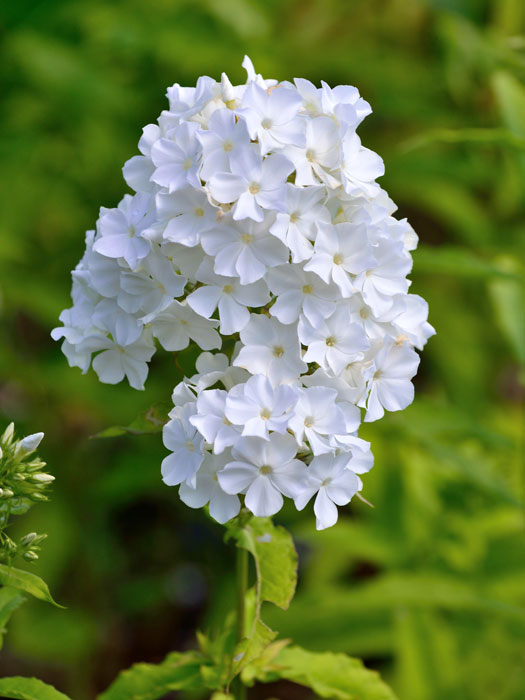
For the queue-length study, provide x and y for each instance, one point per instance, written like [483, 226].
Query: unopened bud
[43, 478]
[227, 91]
[31, 442]
[38, 497]
[8, 434]
[7, 493]
[28, 539]
[30, 556]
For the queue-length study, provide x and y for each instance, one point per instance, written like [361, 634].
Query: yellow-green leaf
[29, 689]
[27, 582]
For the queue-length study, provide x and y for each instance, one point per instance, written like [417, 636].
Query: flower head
[257, 225]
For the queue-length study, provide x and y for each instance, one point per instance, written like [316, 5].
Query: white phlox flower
[334, 484]
[256, 232]
[264, 470]
[260, 408]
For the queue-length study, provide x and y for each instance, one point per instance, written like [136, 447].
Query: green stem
[242, 587]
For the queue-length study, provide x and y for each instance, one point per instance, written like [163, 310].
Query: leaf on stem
[328, 675]
[179, 671]
[29, 689]
[27, 582]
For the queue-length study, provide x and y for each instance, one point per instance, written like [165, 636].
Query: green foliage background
[429, 587]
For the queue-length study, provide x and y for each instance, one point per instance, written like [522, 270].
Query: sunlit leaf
[29, 689]
[151, 681]
[27, 582]
[329, 675]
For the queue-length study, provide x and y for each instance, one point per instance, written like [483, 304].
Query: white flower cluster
[256, 216]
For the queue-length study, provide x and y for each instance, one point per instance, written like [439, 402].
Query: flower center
[190, 446]
[265, 414]
[265, 470]
[294, 217]
[326, 481]
[310, 155]
[247, 238]
[254, 187]
[331, 341]
[308, 288]
[131, 231]
[228, 288]
[187, 163]
[266, 123]
[309, 422]
[227, 146]
[338, 258]
[364, 313]
[378, 374]
[278, 351]
[199, 211]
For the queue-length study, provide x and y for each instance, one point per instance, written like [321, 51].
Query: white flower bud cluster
[257, 216]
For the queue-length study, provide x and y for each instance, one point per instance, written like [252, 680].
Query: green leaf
[29, 689]
[150, 681]
[147, 423]
[275, 559]
[253, 646]
[329, 675]
[27, 582]
[10, 600]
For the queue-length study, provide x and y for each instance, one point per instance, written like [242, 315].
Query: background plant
[23, 482]
[439, 559]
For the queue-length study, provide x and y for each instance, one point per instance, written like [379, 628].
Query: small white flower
[230, 297]
[272, 116]
[117, 361]
[320, 154]
[333, 343]
[186, 213]
[177, 160]
[272, 349]
[186, 445]
[259, 408]
[253, 184]
[317, 417]
[212, 422]
[390, 386]
[244, 250]
[360, 167]
[120, 229]
[299, 292]
[264, 470]
[379, 284]
[334, 484]
[296, 226]
[226, 136]
[176, 325]
[223, 506]
[341, 250]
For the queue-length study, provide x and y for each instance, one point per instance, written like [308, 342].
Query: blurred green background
[428, 587]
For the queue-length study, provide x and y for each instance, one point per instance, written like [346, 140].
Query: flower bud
[30, 443]
[8, 434]
[28, 539]
[30, 555]
[42, 478]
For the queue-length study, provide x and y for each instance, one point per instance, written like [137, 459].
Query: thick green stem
[242, 587]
